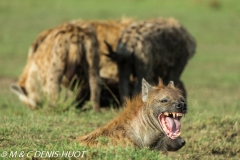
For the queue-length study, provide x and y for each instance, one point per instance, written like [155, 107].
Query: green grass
[212, 125]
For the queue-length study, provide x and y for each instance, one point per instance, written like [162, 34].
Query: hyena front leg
[124, 82]
[55, 71]
[92, 57]
[142, 70]
[174, 73]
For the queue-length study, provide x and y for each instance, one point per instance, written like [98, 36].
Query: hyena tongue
[173, 125]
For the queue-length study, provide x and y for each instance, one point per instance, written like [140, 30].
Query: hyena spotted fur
[150, 49]
[68, 51]
[151, 119]
[106, 31]
[109, 31]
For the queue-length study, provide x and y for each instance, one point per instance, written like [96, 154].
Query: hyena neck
[128, 123]
[137, 123]
[144, 129]
[135, 126]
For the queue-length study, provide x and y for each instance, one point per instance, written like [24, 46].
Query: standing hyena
[106, 31]
[151, 119]
[153, 48]
[68, 51]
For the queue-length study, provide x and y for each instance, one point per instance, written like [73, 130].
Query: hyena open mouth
[170, 123]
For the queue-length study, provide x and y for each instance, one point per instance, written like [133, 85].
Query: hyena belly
[153, 48]
[65, 51]
[149, 120]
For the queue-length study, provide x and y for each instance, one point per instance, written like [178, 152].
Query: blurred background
[214, 70]
[211, 77]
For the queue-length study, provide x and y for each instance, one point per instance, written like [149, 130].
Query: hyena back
[109, 31]
[151, 119]
[65, 51]
[151, 49]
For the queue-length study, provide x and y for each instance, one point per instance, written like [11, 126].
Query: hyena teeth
[179, 114]
[178, 134]
[174, 115]
[166, 113]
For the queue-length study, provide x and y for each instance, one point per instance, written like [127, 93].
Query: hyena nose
[183, 142]
[182, 106]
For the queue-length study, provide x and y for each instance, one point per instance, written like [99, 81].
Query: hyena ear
[171, 84]
[22, 95]
[160, 82]
[18, 90]
[145, 90]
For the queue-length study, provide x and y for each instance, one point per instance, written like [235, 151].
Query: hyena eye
[182, 100]
[163, 100]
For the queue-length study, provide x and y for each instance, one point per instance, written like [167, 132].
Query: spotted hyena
[67, 52]
[106, 31]
[151, 119]
[152, 48]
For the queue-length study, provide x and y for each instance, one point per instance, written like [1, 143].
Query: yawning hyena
[151, 119]
[68, 51]
[152, 48]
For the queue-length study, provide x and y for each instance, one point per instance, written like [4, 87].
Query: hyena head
[163, 109]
